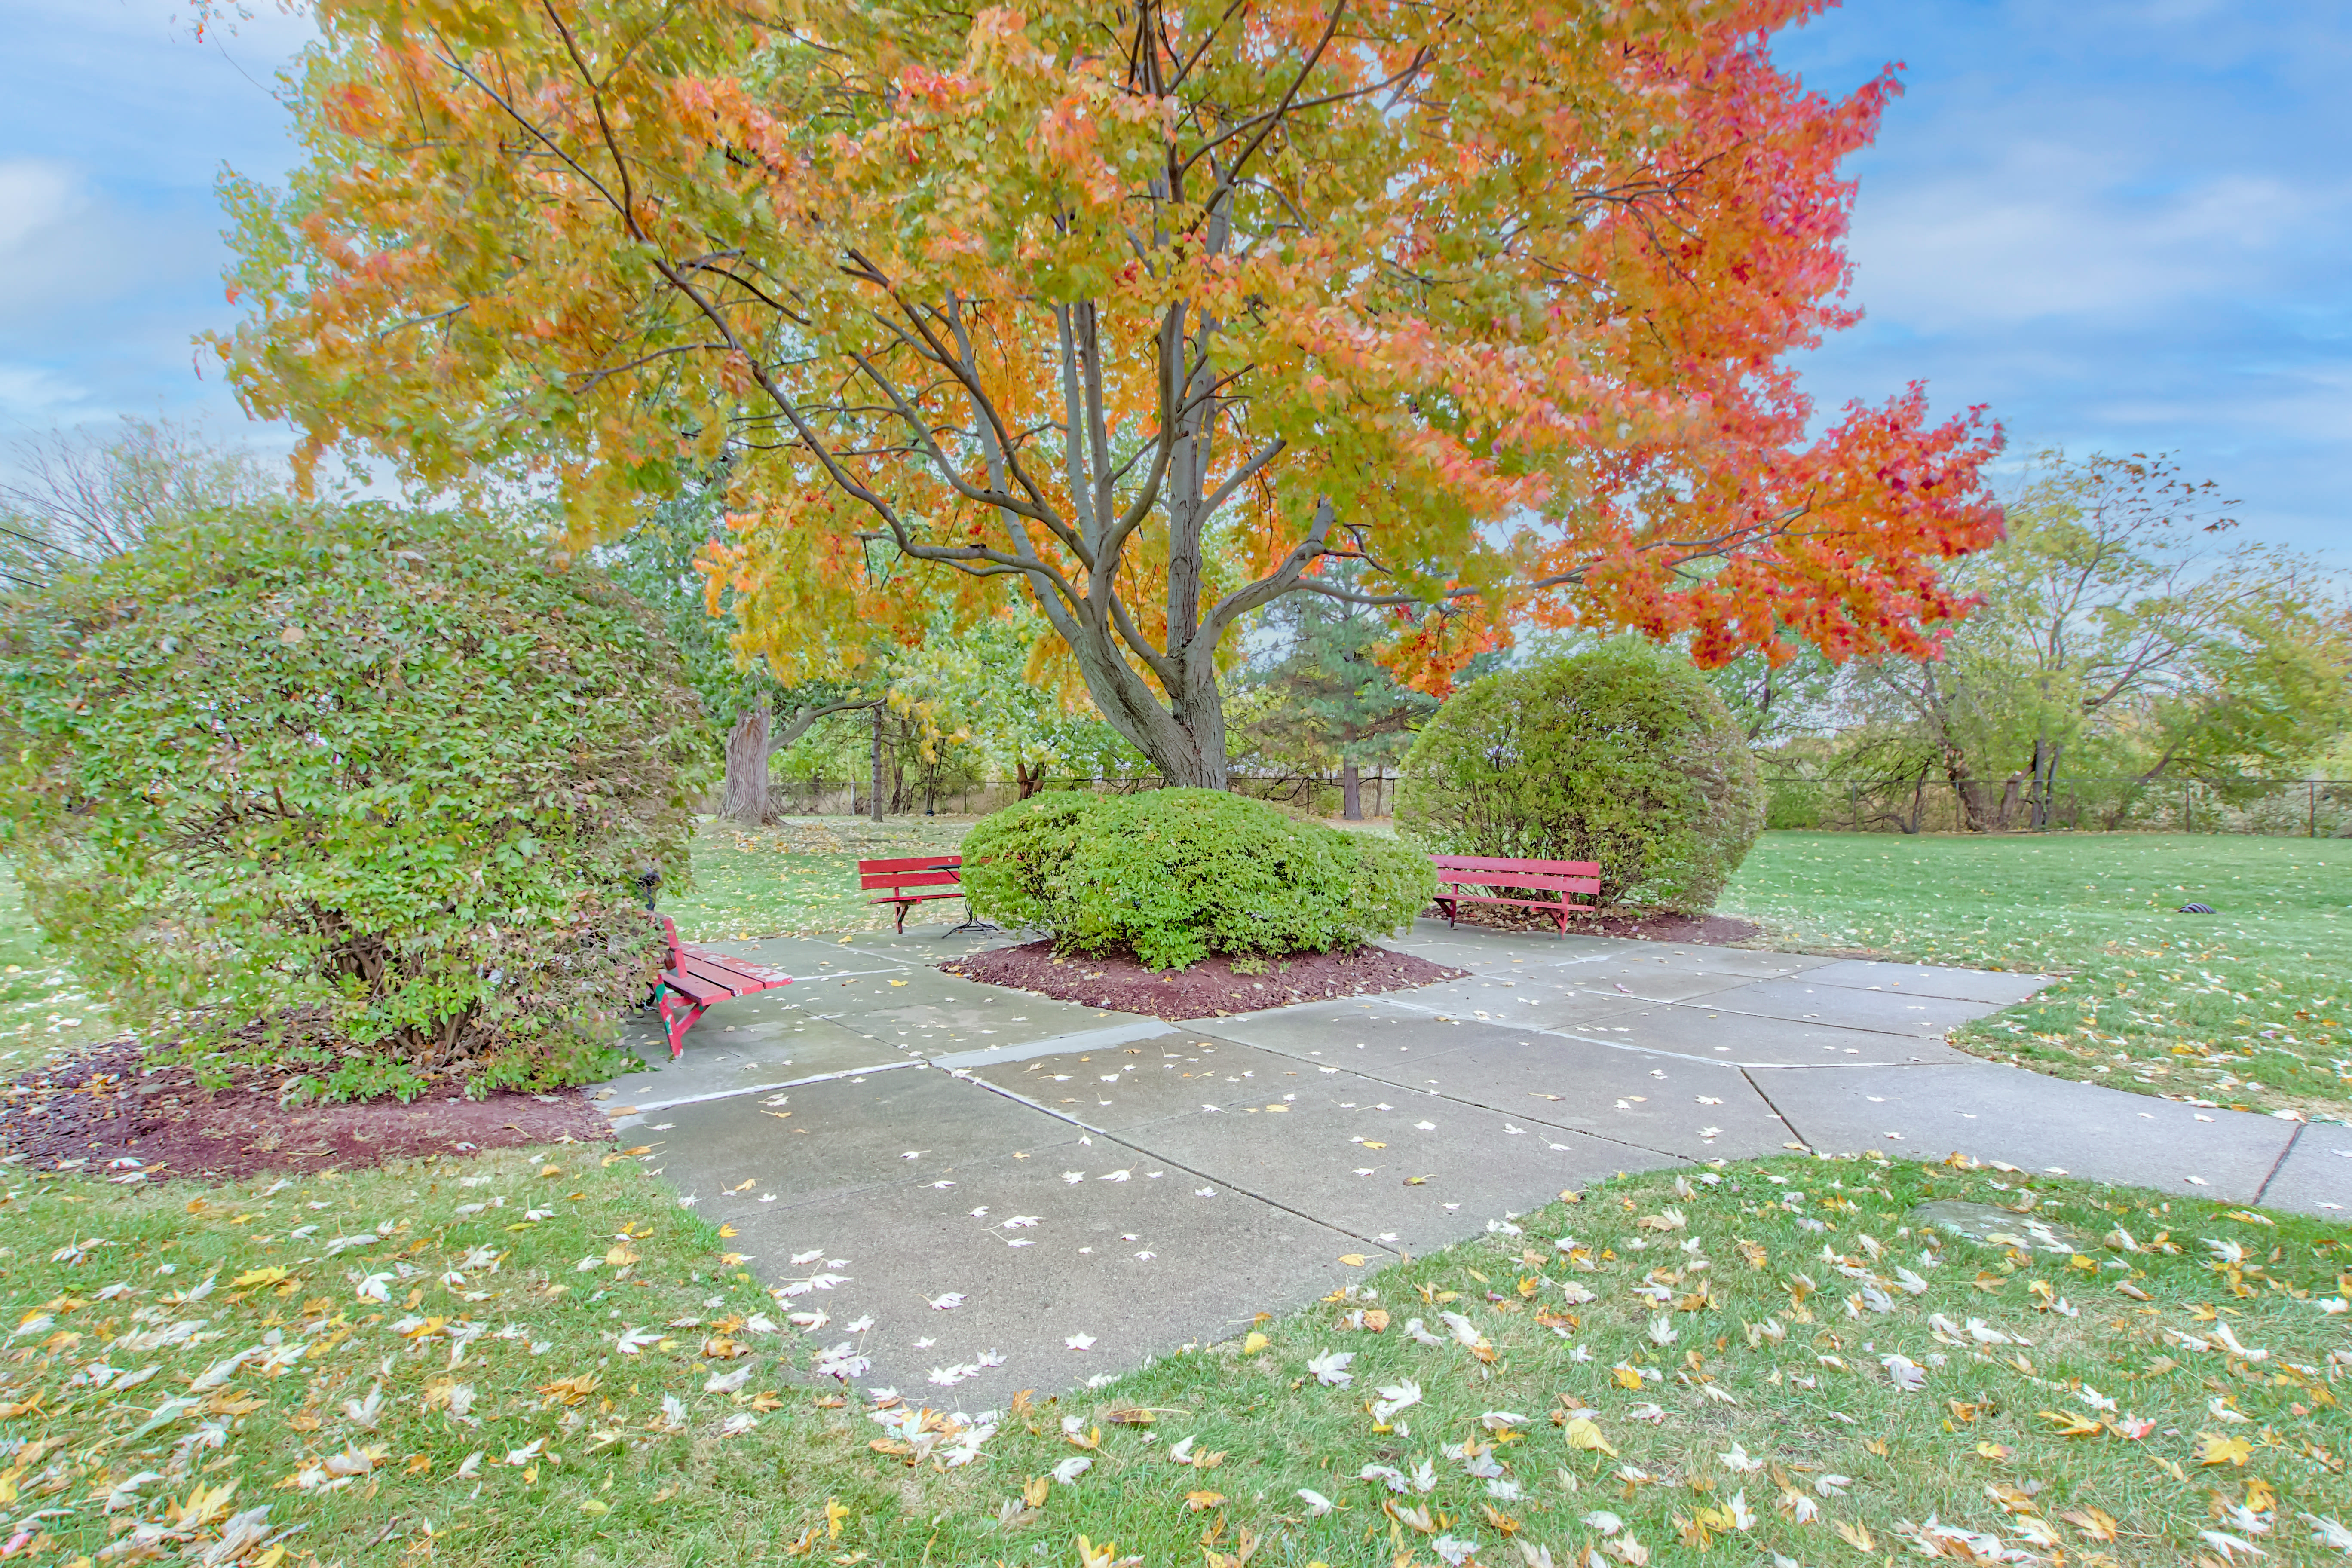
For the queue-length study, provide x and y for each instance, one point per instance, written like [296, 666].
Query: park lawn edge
[1982, 1447]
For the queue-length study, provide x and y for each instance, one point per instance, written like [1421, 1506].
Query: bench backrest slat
[1490, 863]
[914, 863]
[1518, 879]
[894, 880]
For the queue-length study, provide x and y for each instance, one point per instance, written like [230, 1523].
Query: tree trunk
[745, 798]
[1351, 792]
[880, 789]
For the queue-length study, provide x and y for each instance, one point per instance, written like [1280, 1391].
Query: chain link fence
[2299, 808]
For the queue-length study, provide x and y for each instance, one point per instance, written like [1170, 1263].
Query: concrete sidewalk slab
[2315, 1176]
[1990, 1112]
[1699, 1110]
[1850, 1007]
[773, 1046]
[1441, 1171]
[2000, 988]
[1541, 999]
[886, 1129]
[1337, 1032]
[1701, 1033]
[1122, 1088]
[1139, 1266]
[808, 957]
[932, 943]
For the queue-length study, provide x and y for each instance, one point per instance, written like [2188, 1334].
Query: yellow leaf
[1352, 1259]
[1277, 1108]
[1254, 1343]
[2094, 1523]
[1375, 1145]
[1196, 1502]
[2213, 1448]
[1034, 1490]
[1855, 1536]
[420, 1463]
[595, 1507]
[1996, 1451]
[728, 1231]
[1626, 1377]
[2072, 1422]
[1582, 1434]
[257, 1276]
[618, 1254]
[550, 1170]
[835, 1515]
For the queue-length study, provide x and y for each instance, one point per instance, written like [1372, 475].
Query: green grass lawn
[536, 1357]
[2250, 1006]
[799, 876]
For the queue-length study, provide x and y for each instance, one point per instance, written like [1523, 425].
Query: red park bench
[897, 878]
[697, 977]
[1557, 878]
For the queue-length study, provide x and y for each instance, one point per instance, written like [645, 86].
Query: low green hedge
[1175, 875]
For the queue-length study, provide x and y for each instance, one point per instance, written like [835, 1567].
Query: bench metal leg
[678, 1015]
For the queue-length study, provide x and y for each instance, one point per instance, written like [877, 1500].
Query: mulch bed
[1646, 925]
[101, 1111]
[1208, 989]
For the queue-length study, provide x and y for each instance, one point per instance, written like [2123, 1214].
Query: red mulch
[101, 1107]
[1646, 925]
[1208, 989]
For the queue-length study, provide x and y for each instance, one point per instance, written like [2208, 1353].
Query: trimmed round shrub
[1015, 861]
[386, 779]
[1624, 755]
[1175, 875]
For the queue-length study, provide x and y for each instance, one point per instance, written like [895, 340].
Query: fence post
[2310, 791]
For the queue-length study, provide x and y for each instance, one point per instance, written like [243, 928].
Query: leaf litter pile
[503, 1359]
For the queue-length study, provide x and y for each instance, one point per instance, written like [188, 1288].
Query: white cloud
[2043, 230]
[34, 194]
[31, 394]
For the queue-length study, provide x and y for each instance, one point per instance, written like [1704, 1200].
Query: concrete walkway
[972, 1191]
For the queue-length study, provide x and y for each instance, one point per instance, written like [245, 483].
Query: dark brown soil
[103, 1110]
[1208, 989]
[1646, 925]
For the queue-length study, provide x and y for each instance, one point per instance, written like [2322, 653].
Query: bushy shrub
[1624, 755]
[395, 772]
[1175, 875]
[1016, 860]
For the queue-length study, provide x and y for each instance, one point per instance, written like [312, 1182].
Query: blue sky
[2123, 223]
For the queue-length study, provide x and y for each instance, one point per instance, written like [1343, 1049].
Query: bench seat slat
[1492, 899]
[695, 988]
[914, 863]
[713, 972]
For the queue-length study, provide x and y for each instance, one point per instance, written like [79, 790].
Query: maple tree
[1155, 311]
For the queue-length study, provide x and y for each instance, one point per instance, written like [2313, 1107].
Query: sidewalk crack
[1775, 1109]
[2280, 1163]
